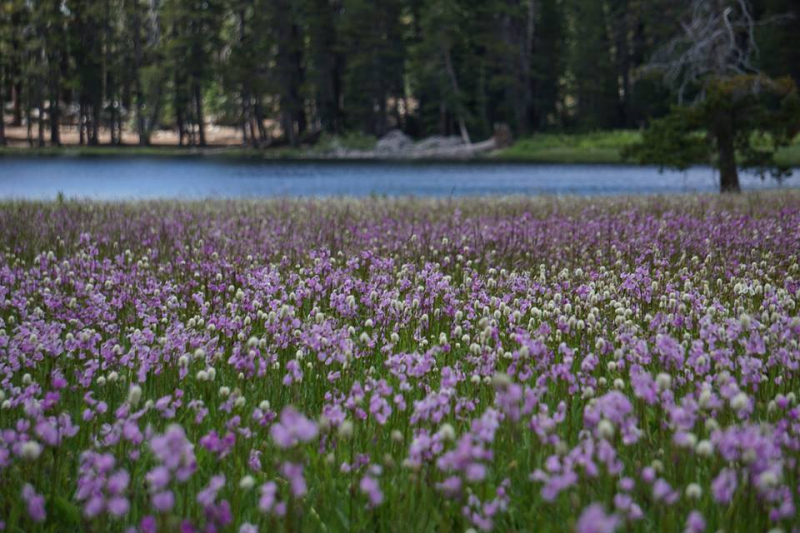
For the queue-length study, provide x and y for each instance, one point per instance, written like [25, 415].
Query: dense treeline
[287, 70]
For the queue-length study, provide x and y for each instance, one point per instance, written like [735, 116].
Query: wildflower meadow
[420, 365]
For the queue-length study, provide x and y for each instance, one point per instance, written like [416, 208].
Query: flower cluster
[407, 365]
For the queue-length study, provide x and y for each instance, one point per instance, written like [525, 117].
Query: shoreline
[561, 155]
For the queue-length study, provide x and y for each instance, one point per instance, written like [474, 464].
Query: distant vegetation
[599, 147]
[295, 72]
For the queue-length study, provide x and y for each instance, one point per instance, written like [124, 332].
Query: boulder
[394, 142]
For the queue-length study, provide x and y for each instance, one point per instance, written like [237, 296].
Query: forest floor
[602, 147]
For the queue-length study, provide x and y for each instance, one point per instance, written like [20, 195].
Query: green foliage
[593, 79]
[283, 71]
[372, 41]
[596, 147]
[676, 141]
[65, 513]
[752, 116]
[352, 140]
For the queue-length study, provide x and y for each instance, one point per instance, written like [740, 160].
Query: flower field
[401, 365]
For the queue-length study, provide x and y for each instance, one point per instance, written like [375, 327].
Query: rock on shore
[397, 145]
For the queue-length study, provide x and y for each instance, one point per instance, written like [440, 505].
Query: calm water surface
[123, 178]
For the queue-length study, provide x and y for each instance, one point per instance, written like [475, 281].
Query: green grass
[602, 147]
[327, 143]
[598, 147]
[790, 156]
[153, 151]
[349, 141]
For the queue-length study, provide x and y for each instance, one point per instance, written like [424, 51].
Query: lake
[139, 178]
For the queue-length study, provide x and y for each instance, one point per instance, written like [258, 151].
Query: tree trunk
[55, 136]
[451, 72]
[2, 107]
[245, 119]
[55, 98]
[109, 89]
[94, 135]
[149, 123]
[112, 128]
[263, 136]
[728, 174]
[81, 121]
[198, 100]
[41, 123]
[29, 121]
[16, 95]
[180, 125]
[141, 120]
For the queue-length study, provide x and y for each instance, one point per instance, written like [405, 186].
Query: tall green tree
[434, 66]
[740, 123]
[548, 65]
[727, 108]
[291, 69]
[85, 42]
[193, 28]
[592, 73]
[375, 57]
[325, 61]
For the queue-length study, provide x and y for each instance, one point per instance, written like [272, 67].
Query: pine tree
[593, 76]
[434, 65]
[548, 64]
[372, 43]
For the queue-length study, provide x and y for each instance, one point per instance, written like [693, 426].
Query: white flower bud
[501, 380]
[346, 430]
[134, 395]
[446, 432]
[247, 483]
[664, 381]
[605, 429]
[745, 320]
[694, 491]
[31, 450]
[739, 401]
[704, 448]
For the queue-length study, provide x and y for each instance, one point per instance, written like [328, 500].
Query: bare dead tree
[716, 54]
[717, 39]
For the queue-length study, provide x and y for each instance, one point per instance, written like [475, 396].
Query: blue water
[130, 178]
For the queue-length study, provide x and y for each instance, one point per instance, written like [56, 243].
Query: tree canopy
[738, 116]
[741, 122]
[285, 71]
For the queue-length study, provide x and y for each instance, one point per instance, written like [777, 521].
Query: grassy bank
[324, 145]
[152, 151]
[590, 148]
[599, 147]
